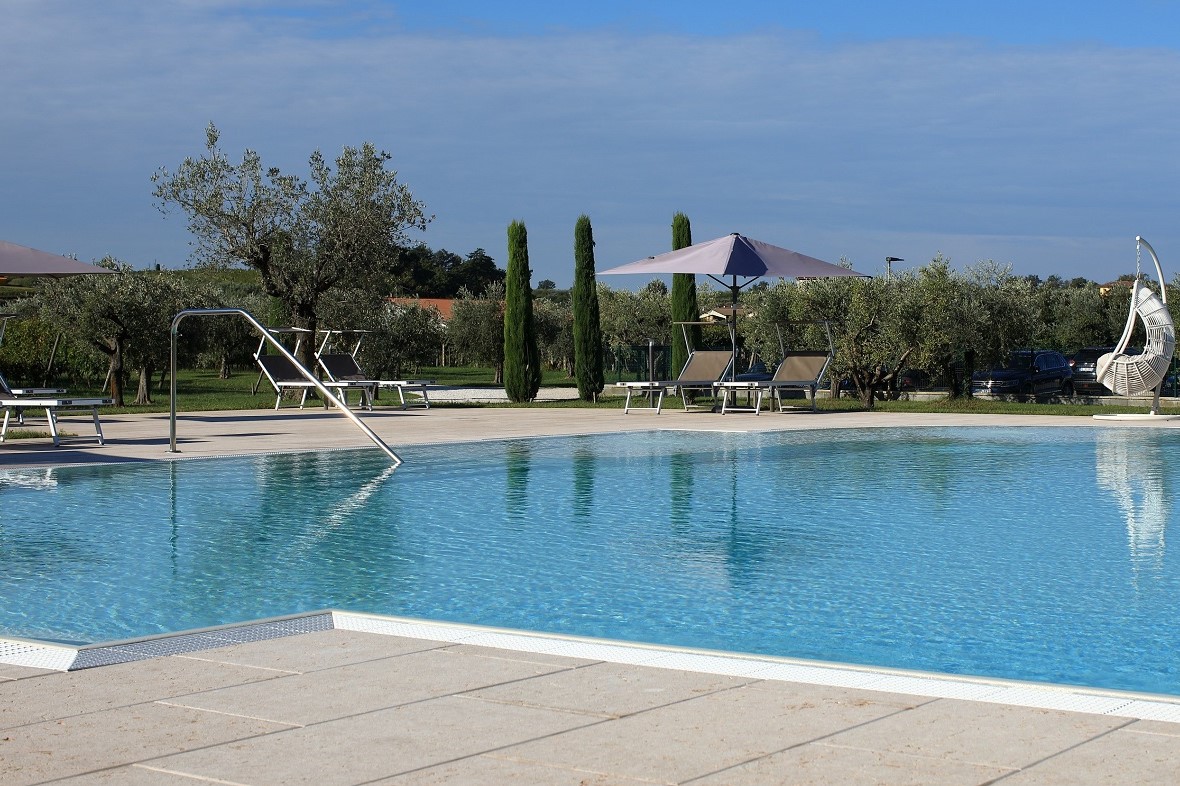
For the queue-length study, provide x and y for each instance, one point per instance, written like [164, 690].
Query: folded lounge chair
[16, 400]
[703, 372]
[804, 369]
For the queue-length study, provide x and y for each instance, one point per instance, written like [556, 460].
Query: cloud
[1049, 157]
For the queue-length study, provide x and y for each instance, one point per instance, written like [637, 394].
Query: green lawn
[200, 390]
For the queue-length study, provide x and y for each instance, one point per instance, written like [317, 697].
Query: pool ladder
[266, 334]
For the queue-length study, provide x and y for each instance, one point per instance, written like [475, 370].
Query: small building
[1105, 289]
[445, 306]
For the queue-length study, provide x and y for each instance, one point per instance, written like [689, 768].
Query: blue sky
[1044, 135]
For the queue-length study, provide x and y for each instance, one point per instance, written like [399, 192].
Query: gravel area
[496, 395]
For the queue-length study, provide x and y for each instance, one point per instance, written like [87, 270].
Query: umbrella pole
[733, 295]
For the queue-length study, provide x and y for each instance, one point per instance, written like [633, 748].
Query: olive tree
[397, 336]
[125, 316]
[872, 327]
[630, 318]
[304, 238]
[554, 323]
[1080, 318]
[476, 330]
[945, 325]
[1004, 311]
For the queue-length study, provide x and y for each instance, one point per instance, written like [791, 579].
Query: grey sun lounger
[342, 367]
[703, 371]
[803, 369]
[283, 376]
[16, 400]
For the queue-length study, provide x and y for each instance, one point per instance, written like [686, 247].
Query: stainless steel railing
[319, 386]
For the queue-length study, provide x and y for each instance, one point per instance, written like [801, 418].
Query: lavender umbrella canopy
[21, 261]
[735, 256]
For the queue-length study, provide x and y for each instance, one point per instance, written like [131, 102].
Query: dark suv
[1085, 369]
[1026, 372]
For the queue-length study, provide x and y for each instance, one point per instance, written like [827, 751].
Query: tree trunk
[115, 372]
[143, 395]
[869, 396]
[304, 317]
[951, 371]
[968, 372]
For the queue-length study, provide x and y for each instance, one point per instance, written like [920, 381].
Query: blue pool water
[1024, 553]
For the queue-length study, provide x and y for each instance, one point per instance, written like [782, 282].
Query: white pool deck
[364, 699]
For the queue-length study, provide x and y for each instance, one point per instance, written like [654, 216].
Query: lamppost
[889, 266]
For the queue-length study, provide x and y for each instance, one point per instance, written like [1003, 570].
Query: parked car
[1085, 369]
[1026, 372]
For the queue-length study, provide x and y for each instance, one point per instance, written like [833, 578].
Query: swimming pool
[1036, 554]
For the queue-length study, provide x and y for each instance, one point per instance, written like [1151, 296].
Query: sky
[1042, 135]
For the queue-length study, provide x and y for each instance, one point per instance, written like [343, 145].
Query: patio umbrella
[22, 261]
[735, 256]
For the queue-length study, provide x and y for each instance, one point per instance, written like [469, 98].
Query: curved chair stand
[1137, 375]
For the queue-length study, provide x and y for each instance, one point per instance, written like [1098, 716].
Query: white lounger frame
[358, 377]
[51, 407]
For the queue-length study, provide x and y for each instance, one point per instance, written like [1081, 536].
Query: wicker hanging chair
[1138, 375]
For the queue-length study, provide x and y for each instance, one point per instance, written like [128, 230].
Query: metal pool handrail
[327, 394]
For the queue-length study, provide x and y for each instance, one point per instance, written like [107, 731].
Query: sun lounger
[15, 401]
[804, 370]
[17, 404]
[343, 366]
[703, 371]
[283, 376]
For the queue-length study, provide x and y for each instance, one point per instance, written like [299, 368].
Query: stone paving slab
[355, 688]
[53, 696]
[352, 707]
[81, 743]
[362, 748]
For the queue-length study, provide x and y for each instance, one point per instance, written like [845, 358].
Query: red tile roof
[443, 305]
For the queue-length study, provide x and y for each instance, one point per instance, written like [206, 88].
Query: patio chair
[803, 369]
[1142, 373]
[703, 371]
[283, 375]
[16, 400]
[343, 367]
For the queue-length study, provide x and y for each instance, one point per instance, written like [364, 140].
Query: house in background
[445, 306]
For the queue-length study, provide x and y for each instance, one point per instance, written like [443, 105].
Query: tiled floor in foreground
[349, 707]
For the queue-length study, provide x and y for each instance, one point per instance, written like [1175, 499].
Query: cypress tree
[522, 362]
[684, 297]
[587, 328]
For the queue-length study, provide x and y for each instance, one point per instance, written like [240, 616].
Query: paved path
[352, 706]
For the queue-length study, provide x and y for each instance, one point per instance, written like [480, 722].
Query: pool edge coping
[1048, 696]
